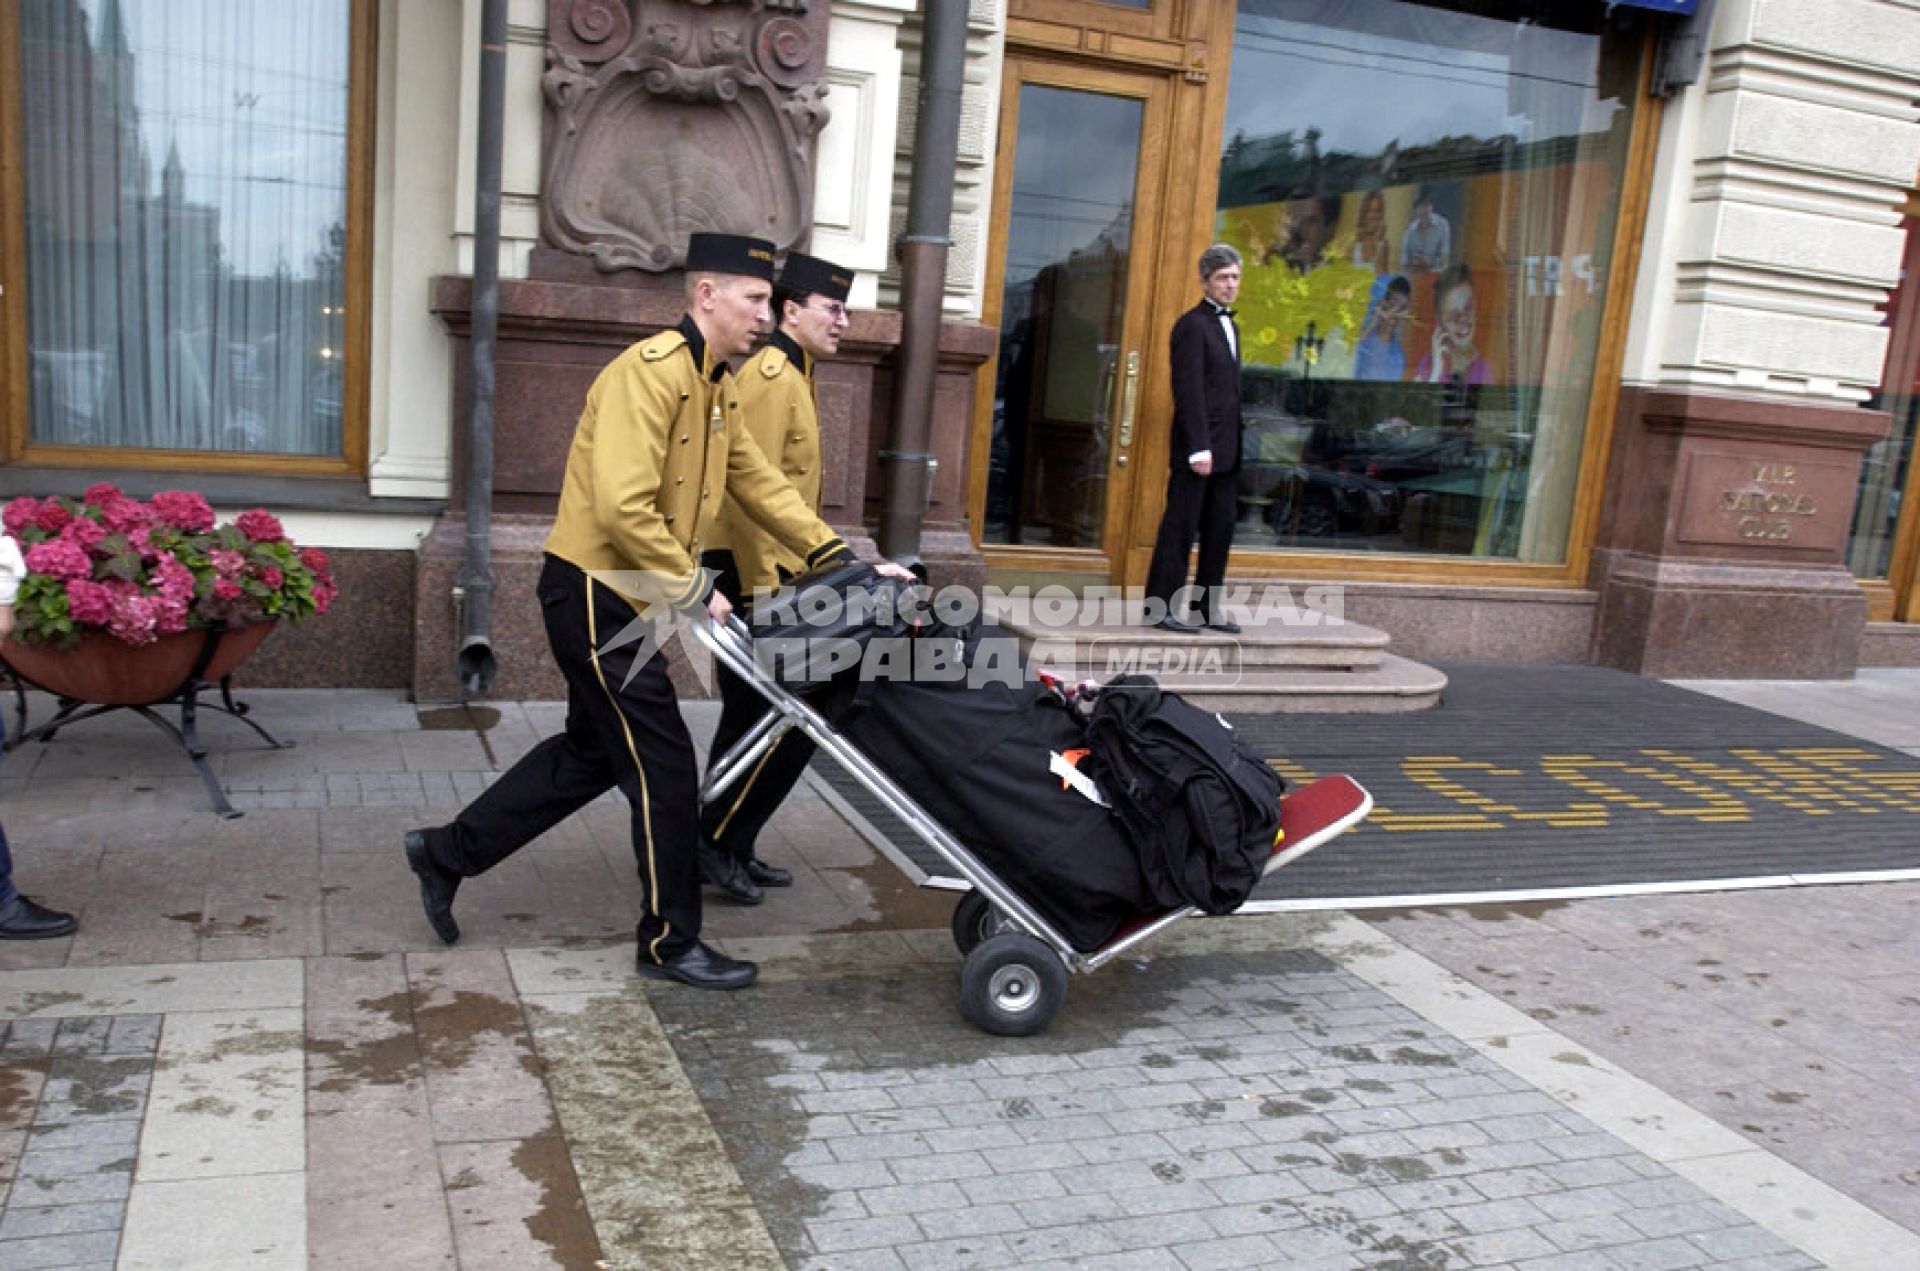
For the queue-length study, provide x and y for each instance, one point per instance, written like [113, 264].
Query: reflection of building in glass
[141, 333]
[1487, 199]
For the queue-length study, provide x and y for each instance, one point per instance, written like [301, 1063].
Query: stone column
[1772, 241]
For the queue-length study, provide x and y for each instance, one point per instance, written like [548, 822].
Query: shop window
[182, 228]
[1883, 475]
[1425, 196]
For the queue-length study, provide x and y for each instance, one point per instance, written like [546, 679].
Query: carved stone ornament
[668, 117]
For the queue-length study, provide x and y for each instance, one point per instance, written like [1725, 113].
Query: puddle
[462, 719]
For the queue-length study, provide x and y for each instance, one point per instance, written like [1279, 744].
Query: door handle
[1129, 398]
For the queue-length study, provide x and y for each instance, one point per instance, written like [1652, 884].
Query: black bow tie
[1225, 313]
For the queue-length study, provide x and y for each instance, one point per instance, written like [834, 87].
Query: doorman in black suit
[1204, 467]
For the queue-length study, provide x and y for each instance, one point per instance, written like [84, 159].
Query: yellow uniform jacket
[776, 396]
[659, 446]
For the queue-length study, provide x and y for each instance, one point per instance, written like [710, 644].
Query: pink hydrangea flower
[323, 595]
[272, 577]
[123, 515]
[89, 603]
[225, 563]
[140, 538]
[19, 513]
[226, 589]
[85, 532]
[58, 558]
[315, 559]
[52, 516]
[170, 613]
[260, 525]
[134, 618]
[183, 511]
[173, 580]
[100, 492]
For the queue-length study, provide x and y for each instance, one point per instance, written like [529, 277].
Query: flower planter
[104, 671]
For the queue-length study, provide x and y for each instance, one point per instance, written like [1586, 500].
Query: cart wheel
[1012, 984]
[974, 920]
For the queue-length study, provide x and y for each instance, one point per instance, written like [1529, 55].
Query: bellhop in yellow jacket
[783, 416]
[662, 444]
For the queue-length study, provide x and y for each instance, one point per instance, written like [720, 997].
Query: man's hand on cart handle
[719, 608]
[887, 569]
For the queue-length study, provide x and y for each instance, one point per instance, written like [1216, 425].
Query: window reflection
[1883, 475]
[1062, 317]
[185, 182]
[1426, 199]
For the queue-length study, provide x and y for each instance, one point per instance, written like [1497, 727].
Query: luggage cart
[1013, 979]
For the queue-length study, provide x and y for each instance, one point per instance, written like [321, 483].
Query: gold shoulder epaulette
[656, 347]
[771, 365]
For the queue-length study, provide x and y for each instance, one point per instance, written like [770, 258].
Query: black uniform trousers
[733, 821]
[1196, 505]
[618, 733]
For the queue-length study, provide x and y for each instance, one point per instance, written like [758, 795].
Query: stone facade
[1773, 240]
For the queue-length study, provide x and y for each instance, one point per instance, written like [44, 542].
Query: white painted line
[1828, 1225]
[1433, 900]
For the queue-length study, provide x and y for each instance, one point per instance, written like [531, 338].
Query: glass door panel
[1875, 547]
[1062, 317]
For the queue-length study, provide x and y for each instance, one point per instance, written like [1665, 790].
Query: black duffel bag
[1200, 807]
[990, 753]
[817, 626]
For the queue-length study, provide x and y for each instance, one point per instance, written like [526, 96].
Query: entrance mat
[1549, 777]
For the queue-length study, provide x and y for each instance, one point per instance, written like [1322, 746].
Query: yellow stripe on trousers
[646, 800]
[745, 786]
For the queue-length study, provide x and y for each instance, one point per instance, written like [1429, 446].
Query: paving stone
[62, 1251]
[1676, 1254]
[1677, 1220]
[861, 1260]
[82, 1035]
[1235, 1252]
[228, 1096]
[1591, 1233]
[1003, 1188]
[945, 1166]
[59, 1220]
[863, 1233]
[78, 1189]
[27, 1038]
[973, 1220]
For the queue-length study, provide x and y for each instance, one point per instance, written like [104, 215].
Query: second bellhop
[777, 396]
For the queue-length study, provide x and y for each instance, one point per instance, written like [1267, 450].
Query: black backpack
[1200, 807]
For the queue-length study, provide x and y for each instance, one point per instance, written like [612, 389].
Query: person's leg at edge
[20, 917]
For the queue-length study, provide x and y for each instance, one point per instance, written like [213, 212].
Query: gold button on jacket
[626, 503]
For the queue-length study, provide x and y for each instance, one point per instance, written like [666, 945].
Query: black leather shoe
[723, 872]
[768, 875]
[21, 919]
[1226, 625]
[702, 967]
[1173, 624]
[437, 887]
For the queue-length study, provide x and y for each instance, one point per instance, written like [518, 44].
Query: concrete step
[1305, 640]
[1396, 685]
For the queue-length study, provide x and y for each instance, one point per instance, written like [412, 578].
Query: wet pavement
[254, 1054]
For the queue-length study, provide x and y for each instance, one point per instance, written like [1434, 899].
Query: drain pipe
[474, 662]
[908, 460]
